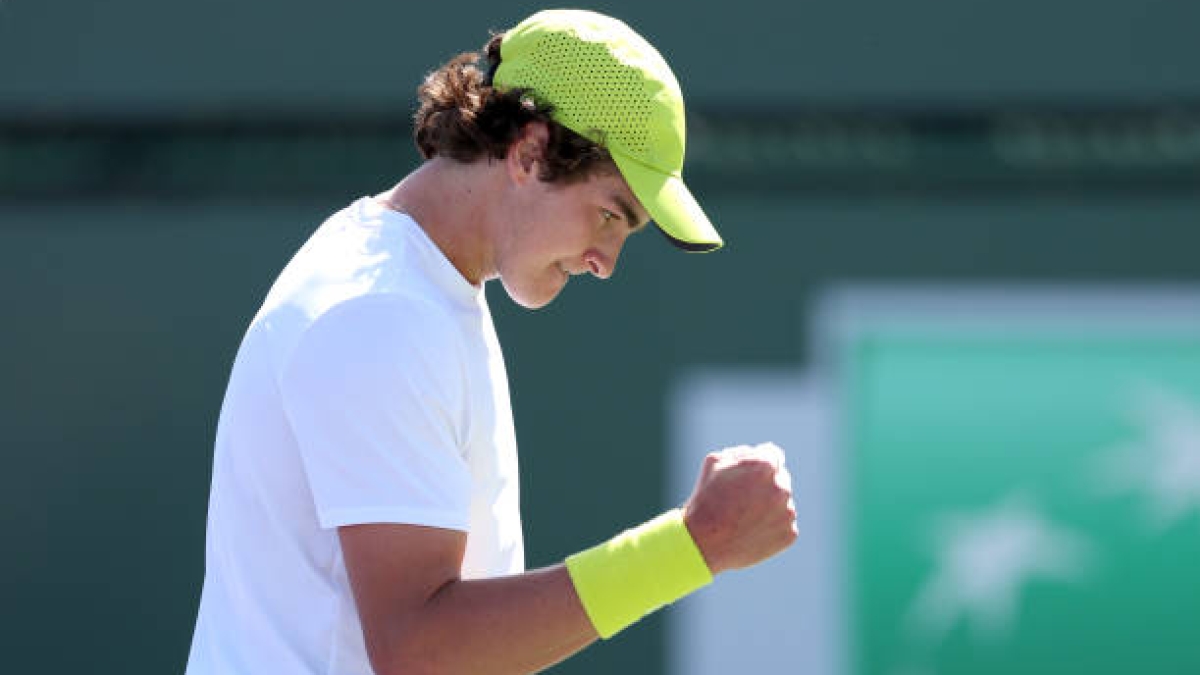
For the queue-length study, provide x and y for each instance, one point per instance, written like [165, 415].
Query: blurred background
[962, 243]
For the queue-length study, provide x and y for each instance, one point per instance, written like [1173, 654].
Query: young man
[363, 515]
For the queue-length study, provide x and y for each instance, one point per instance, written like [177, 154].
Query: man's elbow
[407, 652]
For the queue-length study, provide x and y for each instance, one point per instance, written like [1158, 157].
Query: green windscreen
[1025, 501]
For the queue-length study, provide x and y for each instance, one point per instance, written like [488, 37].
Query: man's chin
[532, 298]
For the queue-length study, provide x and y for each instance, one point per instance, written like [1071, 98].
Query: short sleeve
[374, 391]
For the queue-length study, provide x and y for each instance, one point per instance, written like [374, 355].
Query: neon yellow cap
[606, 83]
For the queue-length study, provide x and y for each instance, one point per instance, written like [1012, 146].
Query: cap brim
[671, 206]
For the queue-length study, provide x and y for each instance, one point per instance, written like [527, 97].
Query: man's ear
[527, 152]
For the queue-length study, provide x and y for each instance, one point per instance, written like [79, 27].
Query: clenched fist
[741, 511]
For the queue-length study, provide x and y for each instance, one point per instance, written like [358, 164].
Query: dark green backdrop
[123, 307]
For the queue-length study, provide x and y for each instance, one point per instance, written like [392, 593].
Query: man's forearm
[504, 626]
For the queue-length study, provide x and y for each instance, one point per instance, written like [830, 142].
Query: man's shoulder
[396, 316]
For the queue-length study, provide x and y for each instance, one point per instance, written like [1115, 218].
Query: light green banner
[1024, 500]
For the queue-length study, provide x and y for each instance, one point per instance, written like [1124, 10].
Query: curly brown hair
[463, 117]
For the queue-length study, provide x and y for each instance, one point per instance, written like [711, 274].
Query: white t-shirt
[370, 388]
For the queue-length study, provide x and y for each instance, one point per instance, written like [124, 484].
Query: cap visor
[671, 206]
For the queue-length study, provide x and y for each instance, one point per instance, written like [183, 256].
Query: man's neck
[447, 199]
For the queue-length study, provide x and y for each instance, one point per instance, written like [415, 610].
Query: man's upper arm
[394, 570]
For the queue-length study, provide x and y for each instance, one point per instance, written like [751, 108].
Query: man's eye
[607, 215]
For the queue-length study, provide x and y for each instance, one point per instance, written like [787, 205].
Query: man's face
[562, 230]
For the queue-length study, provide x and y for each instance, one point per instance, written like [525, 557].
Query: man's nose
[600, 264]
[602, 258]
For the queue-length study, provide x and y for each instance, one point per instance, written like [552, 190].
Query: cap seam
[645, 165]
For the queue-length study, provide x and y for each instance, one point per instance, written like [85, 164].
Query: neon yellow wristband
[638, 571]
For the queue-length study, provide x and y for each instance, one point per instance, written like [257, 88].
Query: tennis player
[364, 514]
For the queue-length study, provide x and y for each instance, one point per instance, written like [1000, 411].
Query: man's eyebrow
[626, 210]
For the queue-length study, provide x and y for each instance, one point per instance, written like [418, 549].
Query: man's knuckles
[771, 452]
[762, 469]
